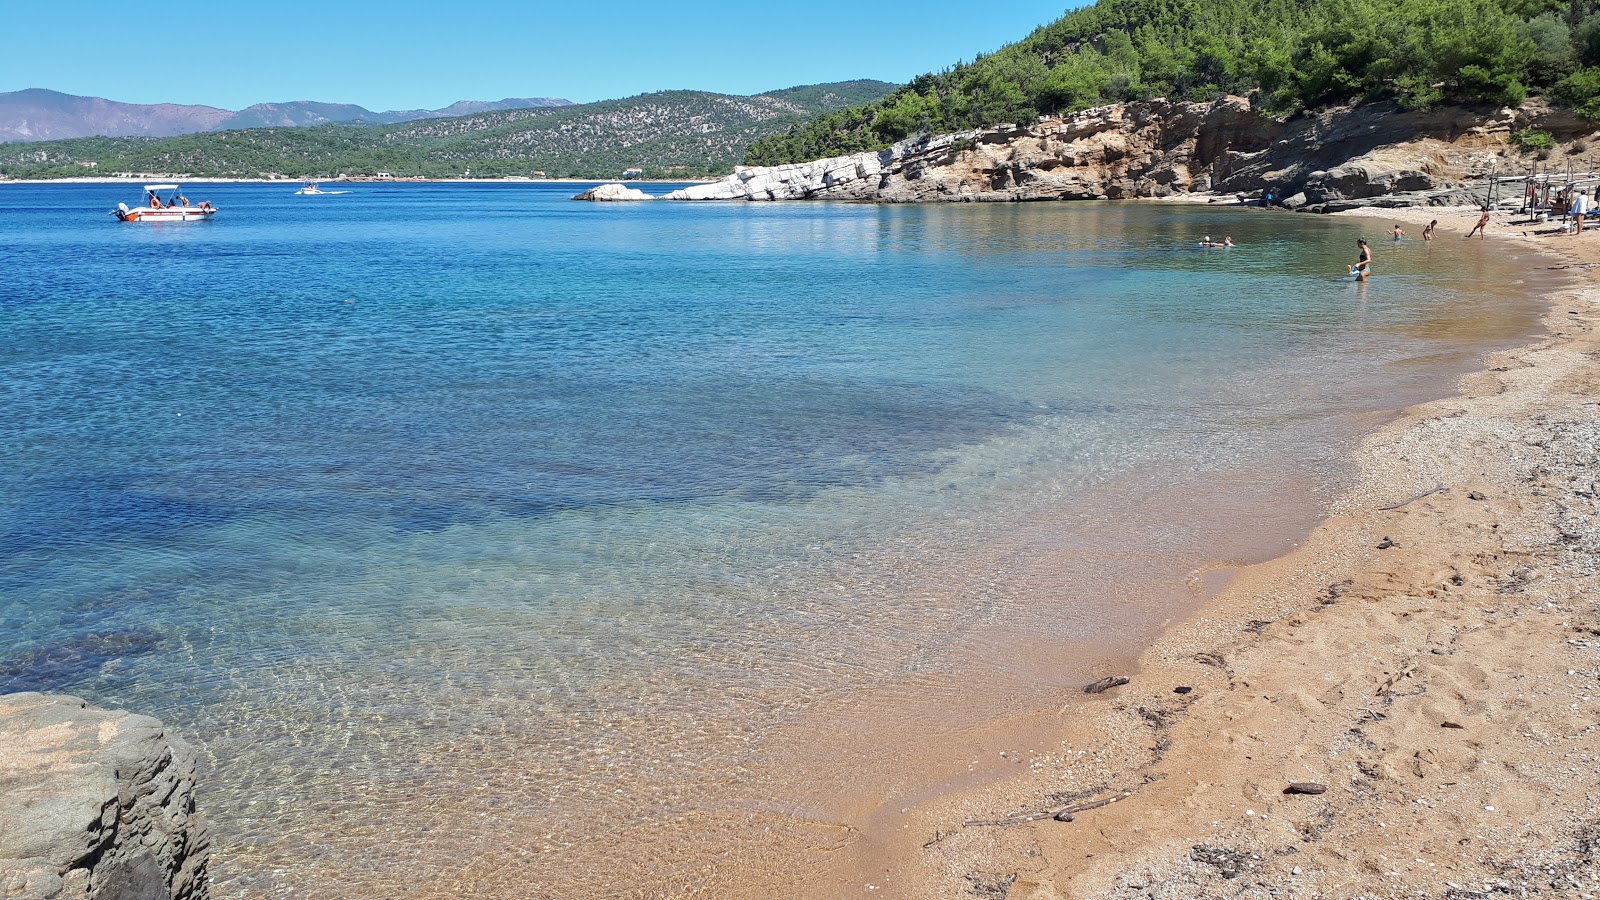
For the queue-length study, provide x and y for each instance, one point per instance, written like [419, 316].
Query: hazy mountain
[43, 115]
[40, 115]
[303, 113]
[669, 134]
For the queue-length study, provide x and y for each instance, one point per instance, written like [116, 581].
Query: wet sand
[1428, 656]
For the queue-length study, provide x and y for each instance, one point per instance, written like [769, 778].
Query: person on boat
[1363, 266]
[1427, 232]
[205, 204]
[182, 200]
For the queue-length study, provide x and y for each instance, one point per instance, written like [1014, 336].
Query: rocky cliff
[96, 805]
[1158, 148]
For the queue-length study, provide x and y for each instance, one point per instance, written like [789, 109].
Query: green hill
[1297, 53]
[667, 134]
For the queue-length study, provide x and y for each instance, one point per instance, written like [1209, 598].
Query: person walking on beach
[1363, 266]
[1483, 223]
[1427, 233]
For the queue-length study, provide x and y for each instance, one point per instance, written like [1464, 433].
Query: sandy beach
[1423, 668]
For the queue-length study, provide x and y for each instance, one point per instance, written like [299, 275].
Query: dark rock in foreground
[96, 804]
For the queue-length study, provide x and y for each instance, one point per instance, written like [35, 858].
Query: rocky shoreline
[96, 804]
[1337, 159]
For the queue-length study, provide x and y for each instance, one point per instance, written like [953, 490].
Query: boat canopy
[160, 187]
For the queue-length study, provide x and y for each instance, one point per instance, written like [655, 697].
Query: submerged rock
[95, 803]
[613, 191]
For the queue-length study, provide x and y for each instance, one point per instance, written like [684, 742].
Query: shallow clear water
[448, 519]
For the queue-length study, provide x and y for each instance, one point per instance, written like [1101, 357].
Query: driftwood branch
[1415, 499]
[1061, 814]
[1395, 679]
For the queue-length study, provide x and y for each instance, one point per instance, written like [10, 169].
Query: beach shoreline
[1427, 658]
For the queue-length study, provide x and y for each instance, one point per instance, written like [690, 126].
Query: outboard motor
[122, 212]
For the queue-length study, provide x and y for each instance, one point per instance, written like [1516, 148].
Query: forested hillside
[669, 134]
[1297, 53]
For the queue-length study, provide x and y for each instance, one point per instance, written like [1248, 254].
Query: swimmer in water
[1427, 233]
[1228, 241]
[1398, 234]
[1363, 266]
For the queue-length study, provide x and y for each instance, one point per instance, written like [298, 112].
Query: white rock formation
[613, 191]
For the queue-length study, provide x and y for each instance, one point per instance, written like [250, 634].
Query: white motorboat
[175, 208]
[312, 189]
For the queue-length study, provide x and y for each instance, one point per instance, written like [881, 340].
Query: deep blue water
[333, 482]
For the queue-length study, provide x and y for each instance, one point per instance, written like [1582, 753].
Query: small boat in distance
[311, 188]
[175, 208]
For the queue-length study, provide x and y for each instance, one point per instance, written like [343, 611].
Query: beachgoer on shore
[1363, 266]
[1427, 233]
[1480, 228]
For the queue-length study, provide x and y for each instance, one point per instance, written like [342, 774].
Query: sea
[486, 543]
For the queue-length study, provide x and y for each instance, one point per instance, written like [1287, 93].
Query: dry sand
[1429, 655]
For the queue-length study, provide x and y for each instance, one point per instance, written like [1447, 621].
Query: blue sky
[402, 55]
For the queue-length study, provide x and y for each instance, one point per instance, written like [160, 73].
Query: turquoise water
[431, 499]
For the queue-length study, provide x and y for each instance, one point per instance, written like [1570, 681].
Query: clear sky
[401, 55]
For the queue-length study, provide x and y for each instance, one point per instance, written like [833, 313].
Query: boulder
[96, 804]
[613, 192]
[1358, 181]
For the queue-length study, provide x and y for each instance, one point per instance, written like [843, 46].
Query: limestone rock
[613, 192]
[96, 804]
[1159, 148]
[1359, 181]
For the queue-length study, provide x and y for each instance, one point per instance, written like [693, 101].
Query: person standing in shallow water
[1480, 229]
[1363, 266]
[1427, 233]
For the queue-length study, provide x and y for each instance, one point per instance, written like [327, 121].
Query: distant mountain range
[674, 134]
[37, 114]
